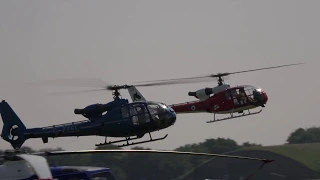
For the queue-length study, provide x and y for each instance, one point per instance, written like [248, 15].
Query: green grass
[306, 154]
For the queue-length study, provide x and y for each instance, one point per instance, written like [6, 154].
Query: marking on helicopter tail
[136, 96]
[193, 108]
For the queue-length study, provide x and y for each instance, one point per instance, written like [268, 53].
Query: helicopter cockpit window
[251, 93]
[132, 111]
[139, 113]
[234, 95]
[153, 109]
[243, 98]
[125, 112]
[157, 111]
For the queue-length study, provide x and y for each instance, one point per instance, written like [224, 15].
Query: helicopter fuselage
[227, 101]
[109, 125]
[123, 120]
[117, 122]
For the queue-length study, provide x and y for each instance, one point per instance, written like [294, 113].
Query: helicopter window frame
[157, 110]
[143, 113]
[239, 96]
[143, 118]
[249, 91]
[242, 96]
[137, 109]
[132, 111]
[139, 113]
[235, 95]
[125, 111]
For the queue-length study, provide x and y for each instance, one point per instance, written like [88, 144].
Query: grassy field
[307, 154]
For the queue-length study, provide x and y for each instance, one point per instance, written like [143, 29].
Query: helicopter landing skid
[233, 117]
[127, 139]
[111, 142]
[150, 140]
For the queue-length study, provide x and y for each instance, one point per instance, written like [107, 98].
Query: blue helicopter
[122, 119]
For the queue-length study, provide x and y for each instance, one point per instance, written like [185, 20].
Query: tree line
[164, 166]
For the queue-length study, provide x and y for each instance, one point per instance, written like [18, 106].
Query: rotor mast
[116, 94]
[116, 89]
[220, 81]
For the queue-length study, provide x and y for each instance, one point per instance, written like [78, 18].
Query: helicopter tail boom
[13, 128]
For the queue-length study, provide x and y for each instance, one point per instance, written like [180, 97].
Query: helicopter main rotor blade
[214, 75]
[75, 92]
[181, 81]
[90, 82]
[74, 82]
[98, 83]
[265, 68]
[55, 153]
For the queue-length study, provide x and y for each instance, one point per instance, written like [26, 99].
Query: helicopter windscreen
[254, 94]
[157, 111]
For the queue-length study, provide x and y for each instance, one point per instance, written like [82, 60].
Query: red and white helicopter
[222, 99]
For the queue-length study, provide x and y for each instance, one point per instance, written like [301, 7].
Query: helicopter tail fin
[135, 94]
[13, 128]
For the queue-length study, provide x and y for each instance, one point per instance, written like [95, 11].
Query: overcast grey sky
[129, 41]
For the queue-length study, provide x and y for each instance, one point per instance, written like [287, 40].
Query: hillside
[306, 154]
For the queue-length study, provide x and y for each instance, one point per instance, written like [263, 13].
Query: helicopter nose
[265, 96]
[173, 117]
